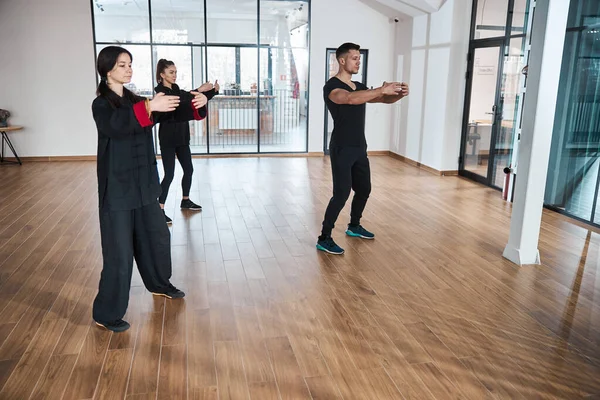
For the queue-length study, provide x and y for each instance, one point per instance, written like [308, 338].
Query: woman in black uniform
[174, 137]
[131, 221]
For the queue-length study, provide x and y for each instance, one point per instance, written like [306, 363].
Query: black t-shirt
[348, 120]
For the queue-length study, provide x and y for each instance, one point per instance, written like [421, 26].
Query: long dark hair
[107, 59]
[160, 68]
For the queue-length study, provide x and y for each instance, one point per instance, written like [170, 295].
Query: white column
[545, 59]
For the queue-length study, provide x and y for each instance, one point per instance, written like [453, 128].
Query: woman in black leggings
[174, 137]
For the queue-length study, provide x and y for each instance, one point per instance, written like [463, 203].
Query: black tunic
[174, 134]
[126, 162]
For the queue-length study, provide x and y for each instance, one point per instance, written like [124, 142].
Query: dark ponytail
[107, 59]
[160, 68]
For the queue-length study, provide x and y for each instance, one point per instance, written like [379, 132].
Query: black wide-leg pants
[141, 234]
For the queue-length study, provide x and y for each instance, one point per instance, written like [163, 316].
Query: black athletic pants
[184, 155]
[351, 170]
[141, 234]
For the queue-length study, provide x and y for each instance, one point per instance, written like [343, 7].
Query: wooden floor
[428, 310]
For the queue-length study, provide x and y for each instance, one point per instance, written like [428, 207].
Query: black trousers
[351, 170]
[141, 234]
[184, 155]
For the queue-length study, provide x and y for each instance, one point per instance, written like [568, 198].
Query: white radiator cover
[238, 118]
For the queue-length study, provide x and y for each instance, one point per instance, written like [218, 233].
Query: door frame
[500, 43]
[365, 63]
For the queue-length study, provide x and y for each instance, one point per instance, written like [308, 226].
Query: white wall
[47, 75]
[459, 47]
[333, 23]
[431, 55]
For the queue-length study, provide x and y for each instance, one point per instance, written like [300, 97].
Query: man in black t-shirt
[346, 101]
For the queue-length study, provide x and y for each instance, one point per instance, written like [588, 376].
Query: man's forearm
[391, 99]
[364, 96]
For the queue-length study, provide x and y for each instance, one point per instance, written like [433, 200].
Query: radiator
[238, 118]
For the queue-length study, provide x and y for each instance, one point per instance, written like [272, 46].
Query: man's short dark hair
[344, 49]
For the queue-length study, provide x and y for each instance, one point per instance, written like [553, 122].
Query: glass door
[331, 71]
[483, 113]
[512, 92]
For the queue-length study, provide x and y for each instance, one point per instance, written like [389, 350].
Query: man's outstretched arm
[390, 99]
[341, 96]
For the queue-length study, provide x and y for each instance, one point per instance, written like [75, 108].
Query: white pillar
[545, 59]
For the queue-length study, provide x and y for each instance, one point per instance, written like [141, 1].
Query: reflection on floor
[479, 166]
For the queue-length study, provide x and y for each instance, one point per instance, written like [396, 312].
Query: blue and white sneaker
[329, 246]
[360, 232]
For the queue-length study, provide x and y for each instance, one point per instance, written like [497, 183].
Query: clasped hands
[209, 86]
[395, 89]
[168, 103]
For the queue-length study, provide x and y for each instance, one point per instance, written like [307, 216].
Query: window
[121, 22]
[262, 105]
[490, 20]
[177, 22]
[223, 65]
[232, 22]
[573, 181]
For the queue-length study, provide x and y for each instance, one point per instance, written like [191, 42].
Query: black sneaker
[115, 326]
[359, 231]
[171, 293]
[190, 205]
[327, 245]
[167, 219]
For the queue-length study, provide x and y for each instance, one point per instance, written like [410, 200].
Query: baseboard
[93, 158]
[258, 155]
[378, 153]
[263, 155]
[266, 155]
[53, 158]
[371, 153]
[422, 166]
[449, 172]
